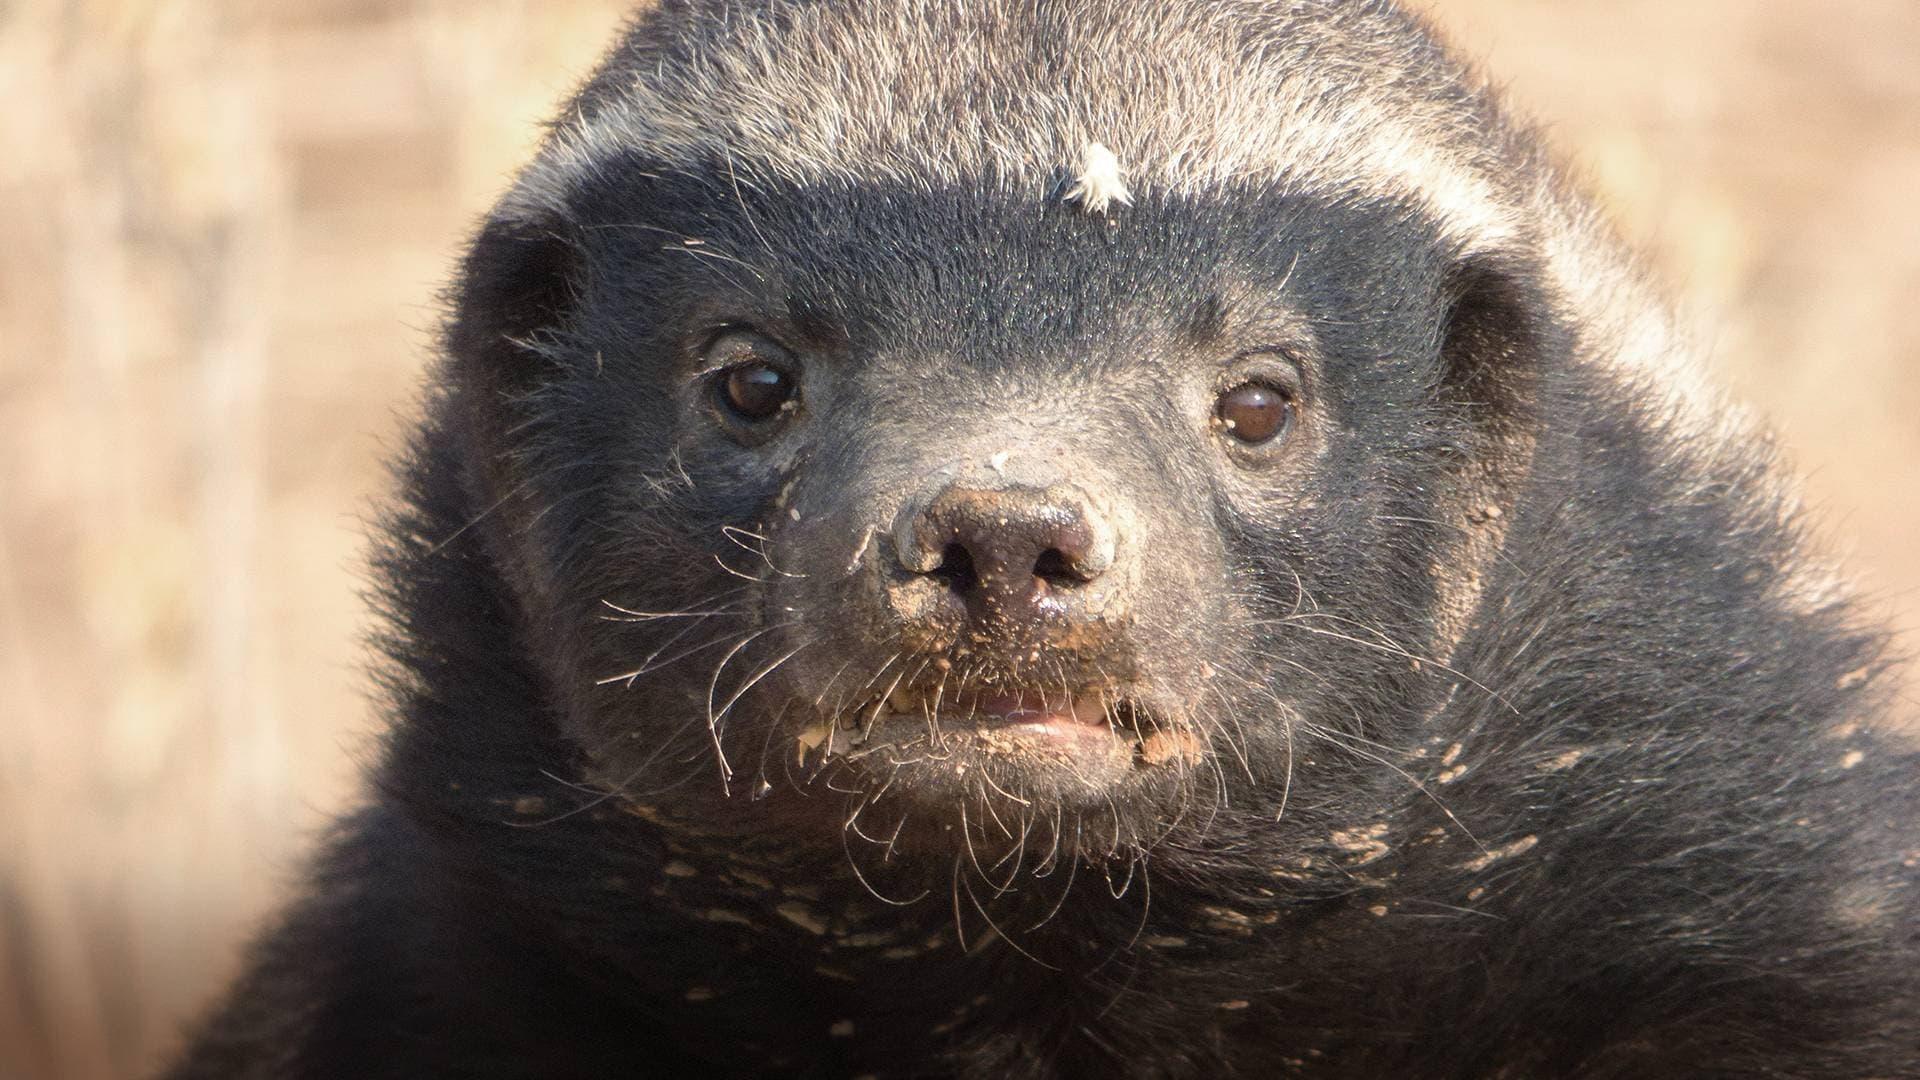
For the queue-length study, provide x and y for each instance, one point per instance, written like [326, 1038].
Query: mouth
[1094, 735]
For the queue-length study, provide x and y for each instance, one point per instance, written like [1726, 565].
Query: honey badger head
[839, 445]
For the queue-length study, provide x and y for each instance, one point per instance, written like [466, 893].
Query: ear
[1502, 336]
[1501, 333]
[518, 283]
[518, 288]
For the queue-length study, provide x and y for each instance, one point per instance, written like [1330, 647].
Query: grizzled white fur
[1314, 96]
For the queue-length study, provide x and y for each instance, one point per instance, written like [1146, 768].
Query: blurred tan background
[222, 226]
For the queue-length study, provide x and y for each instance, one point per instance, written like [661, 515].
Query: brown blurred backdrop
[222, 225]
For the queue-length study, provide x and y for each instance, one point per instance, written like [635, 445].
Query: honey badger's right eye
[755, 384]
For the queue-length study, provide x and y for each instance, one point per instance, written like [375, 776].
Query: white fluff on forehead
[1100, 184]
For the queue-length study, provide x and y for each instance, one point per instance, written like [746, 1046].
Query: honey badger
[1030, 539]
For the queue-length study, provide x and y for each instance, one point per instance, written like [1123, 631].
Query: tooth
[1090, 710]
[813, 737]
[1164, 746]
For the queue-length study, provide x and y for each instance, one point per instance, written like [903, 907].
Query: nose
[1008, 547]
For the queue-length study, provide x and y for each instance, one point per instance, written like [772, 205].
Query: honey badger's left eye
[756, 384]
[757, 391]
[1253, 412]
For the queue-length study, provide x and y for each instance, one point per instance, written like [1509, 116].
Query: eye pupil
[1253, 413]
[757, 391]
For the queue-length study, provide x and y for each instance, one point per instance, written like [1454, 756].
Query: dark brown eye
[753, 380]
[1253, 412]
[756, 391]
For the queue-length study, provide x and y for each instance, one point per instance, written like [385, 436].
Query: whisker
[713, 724]
[1390, 647]
[1346, 741]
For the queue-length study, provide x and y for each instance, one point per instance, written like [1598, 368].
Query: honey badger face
[947, 495]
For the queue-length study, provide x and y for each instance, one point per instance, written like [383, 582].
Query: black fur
[1626, 819]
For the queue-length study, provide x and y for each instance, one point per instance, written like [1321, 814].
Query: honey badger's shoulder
[1599, 799]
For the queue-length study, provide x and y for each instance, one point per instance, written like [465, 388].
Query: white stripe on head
[1230, 94]
[1196, 98]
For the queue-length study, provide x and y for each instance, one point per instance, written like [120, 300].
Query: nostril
[956, 568]
[1054, 568]
[1002, 546]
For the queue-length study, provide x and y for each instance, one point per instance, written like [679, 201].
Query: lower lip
[1052, 726]
[1014, 718]
[1052, 735]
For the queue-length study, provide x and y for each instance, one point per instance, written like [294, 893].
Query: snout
[1013, 552]
[1006, 615]
[993, 566]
